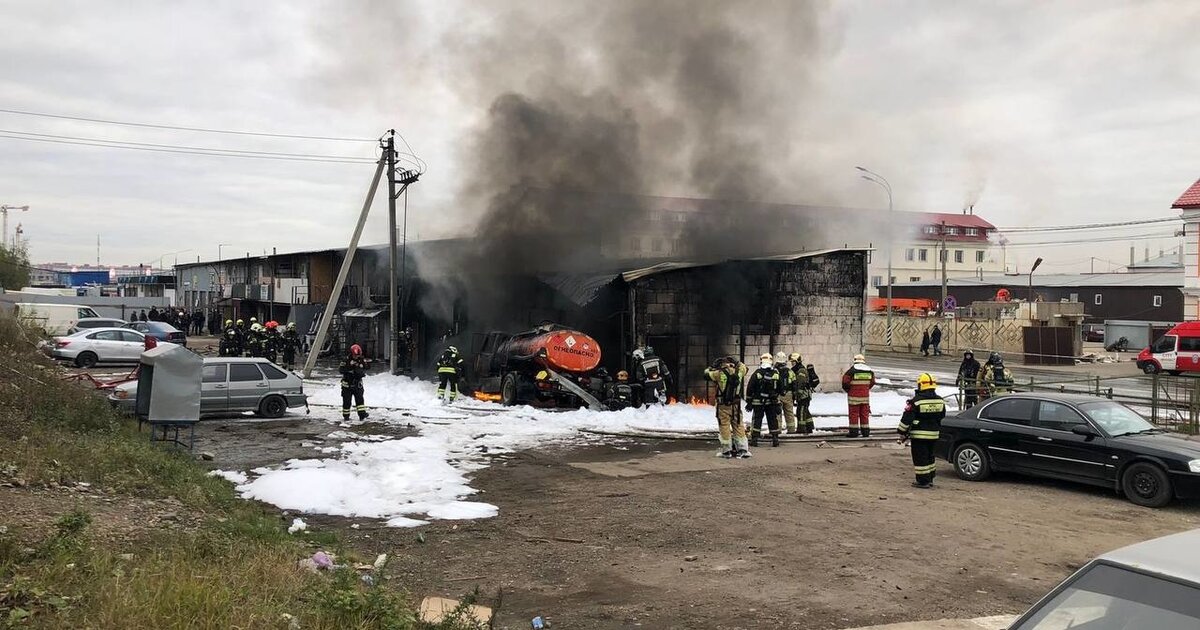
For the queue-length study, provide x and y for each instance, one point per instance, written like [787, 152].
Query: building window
[923, 255]
[1157, 301]
[876, 280]
[958, 255]
[656, 245]
[1098, 300]
[908, 254]
[635, 244]
[931, 229]
[972, 231]
[951, 231]
[917, 279]
[979, 256]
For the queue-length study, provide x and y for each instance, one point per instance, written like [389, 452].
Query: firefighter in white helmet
[762, 398]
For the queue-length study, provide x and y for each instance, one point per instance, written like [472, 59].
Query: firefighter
[729, 374]
[449, 367]
[229, 346]
[857, 383]
[652, 375]
[920, 426]
[968, 380]
[762, 397]
[255, 341]
[995, 379]
[290, 342]
[271, 340]
[787, 392]
[802, 392]
[353, 369]
[619, 394]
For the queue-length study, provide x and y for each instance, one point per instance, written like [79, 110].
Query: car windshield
[1115, 418]
[1106, 597]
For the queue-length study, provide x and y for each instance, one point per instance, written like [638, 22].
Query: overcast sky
[1046, 113]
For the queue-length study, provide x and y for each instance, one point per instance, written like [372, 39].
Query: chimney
[1160, 251]
[1147, 252]
[1131, 256]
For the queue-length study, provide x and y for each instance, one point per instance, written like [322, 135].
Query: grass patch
[233, 566]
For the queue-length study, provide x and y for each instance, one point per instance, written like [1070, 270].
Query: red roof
[955, 219]
[1190, 199]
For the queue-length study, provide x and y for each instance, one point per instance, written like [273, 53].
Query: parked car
[1094, 334]
[161, 331]
[55, 319]
[88, 347]
[1076, 438]
[1154, 585]
[234, 385]
[96, 322]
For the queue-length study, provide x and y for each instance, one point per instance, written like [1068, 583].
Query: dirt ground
[664, 535]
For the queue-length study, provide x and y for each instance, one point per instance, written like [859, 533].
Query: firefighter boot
[774, 439]
[866, 432]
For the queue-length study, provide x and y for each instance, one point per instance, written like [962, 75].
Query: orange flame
[693, 401]
[485, 397]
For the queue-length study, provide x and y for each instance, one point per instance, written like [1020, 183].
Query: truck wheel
[508, 390]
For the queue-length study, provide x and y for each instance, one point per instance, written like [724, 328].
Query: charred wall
[812, 305]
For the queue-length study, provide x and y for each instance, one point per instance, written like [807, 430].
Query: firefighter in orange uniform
[857, 383]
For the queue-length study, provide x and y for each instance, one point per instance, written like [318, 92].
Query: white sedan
[88, 347]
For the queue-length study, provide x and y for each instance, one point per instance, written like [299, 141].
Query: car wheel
[971, 462]
[272, 407]
[1150, 368]
[1147, 485]
[508, 390]
[86, 359]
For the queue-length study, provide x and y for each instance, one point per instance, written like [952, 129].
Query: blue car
[160, 331]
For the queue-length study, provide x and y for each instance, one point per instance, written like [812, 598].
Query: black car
[1072, 437]
[161, 331]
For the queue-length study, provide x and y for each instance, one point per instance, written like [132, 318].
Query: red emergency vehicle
[1175, 352]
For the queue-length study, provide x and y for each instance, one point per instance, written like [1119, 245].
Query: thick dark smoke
[592, 107]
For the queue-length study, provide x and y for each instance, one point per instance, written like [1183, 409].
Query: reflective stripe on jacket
[923, 414]
[857, 383]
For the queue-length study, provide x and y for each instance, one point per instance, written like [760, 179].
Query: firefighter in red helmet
[353, 369]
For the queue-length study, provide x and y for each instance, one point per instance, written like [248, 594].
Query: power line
[1106, 239]
[179, 128]
[1084, 226]
[190, 152]
[214, 150]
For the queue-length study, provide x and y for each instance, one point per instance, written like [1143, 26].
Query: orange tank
[566, 350]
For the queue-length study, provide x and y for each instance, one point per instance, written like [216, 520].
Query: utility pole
[945, 255]
[396, 302]
[389, 149]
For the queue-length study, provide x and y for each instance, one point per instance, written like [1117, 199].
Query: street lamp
[872, 176]
[1031, 270]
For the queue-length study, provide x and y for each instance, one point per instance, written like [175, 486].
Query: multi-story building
[1189, 205]
[970, 245]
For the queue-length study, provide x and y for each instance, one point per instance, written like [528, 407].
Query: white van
[55, 319]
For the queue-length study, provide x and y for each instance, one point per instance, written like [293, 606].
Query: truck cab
[1176, 352]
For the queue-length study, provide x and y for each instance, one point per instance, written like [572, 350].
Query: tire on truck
[509, 388]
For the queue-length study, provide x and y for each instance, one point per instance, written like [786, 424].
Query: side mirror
[1085, 430]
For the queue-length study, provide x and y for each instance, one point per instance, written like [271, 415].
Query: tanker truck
[548, 366]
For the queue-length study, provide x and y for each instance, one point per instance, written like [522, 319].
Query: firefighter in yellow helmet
[921, 425]
[729, 374]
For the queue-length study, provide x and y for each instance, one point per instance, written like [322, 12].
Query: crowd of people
[269, 341]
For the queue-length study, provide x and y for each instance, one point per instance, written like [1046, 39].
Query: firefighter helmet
[794, 357]
[355, 350]
[639, 354]
[452, 350]
[926, 381]
[241, 322]
[272, 325]
[765, 357]
[229, 322]
[253, 320]
[858, 358]
[622, 375]
[995, 359]
[780, 358]
[291, 326]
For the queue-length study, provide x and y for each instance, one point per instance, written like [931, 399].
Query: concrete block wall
[813, 306]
